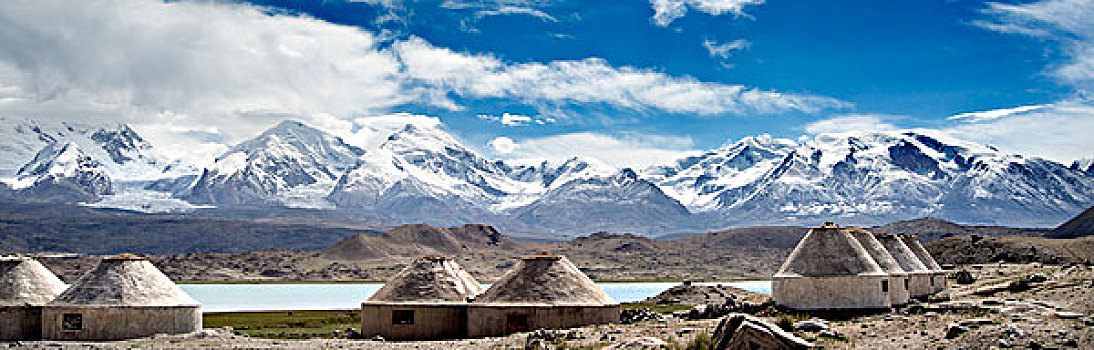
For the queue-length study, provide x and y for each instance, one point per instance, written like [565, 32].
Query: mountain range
[418, 173]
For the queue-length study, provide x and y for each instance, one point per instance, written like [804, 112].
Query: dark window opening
[516, 323]
[884, 286]
[905, 284]
[402, 317]
[932, 281]
[72, 322]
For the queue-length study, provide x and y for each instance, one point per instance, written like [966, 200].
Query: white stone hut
[426, 300]
[899, 285]
[938, 275]
[830, 270]
[542, 291]
[124, 297]
[919, 276]
[25, 286]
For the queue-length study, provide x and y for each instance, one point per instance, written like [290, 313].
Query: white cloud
[852, 123]
[515, 10]
[995, 113]
[233, 69]
[1070, 22]
[510, 119]
[666, 11]
[628, 150]
[724, 50]
[589, 81]
[1059, 131]
[503, 145]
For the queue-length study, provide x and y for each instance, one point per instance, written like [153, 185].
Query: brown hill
[929, 229]
[777, 237]
[982, 250]
[419, 240]
[1081, 225]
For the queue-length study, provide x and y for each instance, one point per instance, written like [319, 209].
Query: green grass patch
[659, 308]
[285, 324]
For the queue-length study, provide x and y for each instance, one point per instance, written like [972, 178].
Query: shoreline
[636, 280]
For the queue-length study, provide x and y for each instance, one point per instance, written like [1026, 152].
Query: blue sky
[663, 77]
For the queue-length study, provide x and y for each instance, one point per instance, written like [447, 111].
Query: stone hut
[831, 270]
[123, 297]
[25, 286]
[899, 285]
[938, 276]
[542, 291]
[919, 276]
[426, 300]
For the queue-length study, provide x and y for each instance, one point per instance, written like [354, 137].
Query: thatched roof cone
[827, 251]
[546, 279]
[921, 252]
[903, 255]
[429, 279]
[877, 251]
[124, 280]
[25, 282]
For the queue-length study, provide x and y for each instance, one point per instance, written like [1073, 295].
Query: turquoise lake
[259, 297]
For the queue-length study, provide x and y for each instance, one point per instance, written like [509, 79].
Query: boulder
[964, 277]
[740, 331]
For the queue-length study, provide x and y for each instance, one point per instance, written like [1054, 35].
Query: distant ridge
[419, 240]
[1081, 225]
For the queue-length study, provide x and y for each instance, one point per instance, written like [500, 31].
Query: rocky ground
[1009, 305]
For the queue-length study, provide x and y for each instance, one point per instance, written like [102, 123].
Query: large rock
[740, 331]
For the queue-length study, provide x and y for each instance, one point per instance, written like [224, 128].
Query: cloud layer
[1070, 22]
[218, 72]
[667, 11]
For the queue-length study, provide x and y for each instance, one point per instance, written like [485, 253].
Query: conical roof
[429, 279]
[545, 279]
[920, 252]
[124, 280]
[24, 281]
[903, 255]
[876, 250]
[827, 251]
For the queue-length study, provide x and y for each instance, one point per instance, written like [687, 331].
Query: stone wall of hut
[920, 283]
[496, 320]
[900, 289]
[118, 322]
[830, 293]
[20, 323]
[430, 322]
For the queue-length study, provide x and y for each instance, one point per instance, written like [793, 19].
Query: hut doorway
[516, 323]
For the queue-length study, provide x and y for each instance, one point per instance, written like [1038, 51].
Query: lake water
[256, 297]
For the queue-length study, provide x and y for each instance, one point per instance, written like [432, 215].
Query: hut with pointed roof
[123, 297]
[938, 275]
[25, 286]
[919, 276]
[543, 291]
[899, 286]
[426, 300]
[830, 270]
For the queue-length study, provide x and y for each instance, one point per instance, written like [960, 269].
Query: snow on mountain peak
[62, 170]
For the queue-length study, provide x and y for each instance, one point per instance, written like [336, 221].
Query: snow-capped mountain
[550, 174]
[417, 172]
[290, 164]
[621, 202]
[870, 178]
[62, 172]
[123, 154]
[1084, 165]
